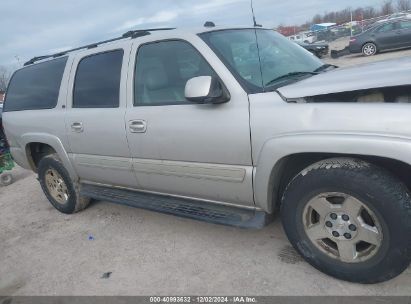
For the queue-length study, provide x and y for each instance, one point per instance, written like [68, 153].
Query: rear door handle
[77, 127]
[137, 126]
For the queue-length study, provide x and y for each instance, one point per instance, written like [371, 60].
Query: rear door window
[35, 87]
[97, 82]
[406, 25]
[386, 28]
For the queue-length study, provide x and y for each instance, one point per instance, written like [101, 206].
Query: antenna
[254, 21]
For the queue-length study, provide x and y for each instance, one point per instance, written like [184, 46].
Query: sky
[31, 28]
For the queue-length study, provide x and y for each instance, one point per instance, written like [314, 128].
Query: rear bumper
[354, 48]
[323, 51]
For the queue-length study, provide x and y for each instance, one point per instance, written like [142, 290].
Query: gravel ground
[44, 252]
[116, 250]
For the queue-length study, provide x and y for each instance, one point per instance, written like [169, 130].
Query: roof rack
[130, 34]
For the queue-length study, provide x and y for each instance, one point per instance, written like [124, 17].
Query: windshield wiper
[324, 67]
[288, 75]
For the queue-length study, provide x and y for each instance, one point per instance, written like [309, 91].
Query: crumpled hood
[387, 73]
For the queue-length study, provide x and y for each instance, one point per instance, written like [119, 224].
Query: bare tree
[387, 7]
[317, 19]
[403, 5]
[5, 75]
[370, 12]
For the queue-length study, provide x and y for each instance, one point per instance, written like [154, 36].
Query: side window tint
[97, 82]
[386, 28]
[162, 71]
[36, 86]
[405, 25]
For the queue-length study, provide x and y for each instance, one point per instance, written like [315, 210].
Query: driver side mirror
[206, 89]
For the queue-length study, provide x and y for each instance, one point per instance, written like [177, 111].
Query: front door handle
[137, 126]
[77, 127]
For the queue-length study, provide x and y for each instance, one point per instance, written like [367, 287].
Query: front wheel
[349, 219]
[369, 49]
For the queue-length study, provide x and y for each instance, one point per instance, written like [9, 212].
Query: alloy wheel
[56, 186]
[369, 49]
[343, 227]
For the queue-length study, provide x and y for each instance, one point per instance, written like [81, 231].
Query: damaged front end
[399, 94]
[381, 82]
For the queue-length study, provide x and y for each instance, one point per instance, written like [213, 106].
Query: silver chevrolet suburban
[229, 126]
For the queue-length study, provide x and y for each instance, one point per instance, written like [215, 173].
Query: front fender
[52, 141]
[274, 151]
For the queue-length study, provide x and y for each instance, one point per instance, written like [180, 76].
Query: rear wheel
[369, 49]
[58, 187]
[349, 219]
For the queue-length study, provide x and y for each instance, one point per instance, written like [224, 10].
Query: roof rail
[130, 34]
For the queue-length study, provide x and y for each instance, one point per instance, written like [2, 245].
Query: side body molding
[55, 143]
[269, 162]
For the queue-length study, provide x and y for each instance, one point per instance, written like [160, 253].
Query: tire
[378, 206]
[6, 179]
[58, 187]
[369, 49]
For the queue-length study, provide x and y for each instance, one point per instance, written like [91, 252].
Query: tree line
[387, 7]
[5, 75]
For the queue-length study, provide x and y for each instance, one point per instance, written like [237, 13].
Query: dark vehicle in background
[389, 35]
[318, 49]
[1, 110]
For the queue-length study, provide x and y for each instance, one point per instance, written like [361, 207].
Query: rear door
[180, 148]
[95, 117]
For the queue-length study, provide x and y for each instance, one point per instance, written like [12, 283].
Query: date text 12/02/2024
[199, 299]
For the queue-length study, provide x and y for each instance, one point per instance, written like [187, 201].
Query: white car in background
[304, 37]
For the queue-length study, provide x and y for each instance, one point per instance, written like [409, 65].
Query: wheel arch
[38, 145]
[283, 157]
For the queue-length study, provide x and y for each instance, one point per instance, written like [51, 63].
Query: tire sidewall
[52, 162]
[389, 258]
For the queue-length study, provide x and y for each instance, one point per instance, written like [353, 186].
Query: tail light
[352, 40]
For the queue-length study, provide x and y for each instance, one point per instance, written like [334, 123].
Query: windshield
[259, 57]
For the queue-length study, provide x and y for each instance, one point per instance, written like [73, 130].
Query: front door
[95, 118]
[405, 30]
[196, 150]
[388, 36]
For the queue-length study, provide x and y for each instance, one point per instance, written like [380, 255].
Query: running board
[198, 210]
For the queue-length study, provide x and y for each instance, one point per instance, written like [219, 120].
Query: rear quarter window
[35, 87]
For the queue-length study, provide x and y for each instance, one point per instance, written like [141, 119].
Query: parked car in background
[304, 37]
[318, 49]
[396, 16]
[389, 35]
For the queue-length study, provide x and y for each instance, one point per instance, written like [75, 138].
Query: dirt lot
[44, 252]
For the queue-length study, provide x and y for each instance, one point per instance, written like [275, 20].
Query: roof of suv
[136, 34]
